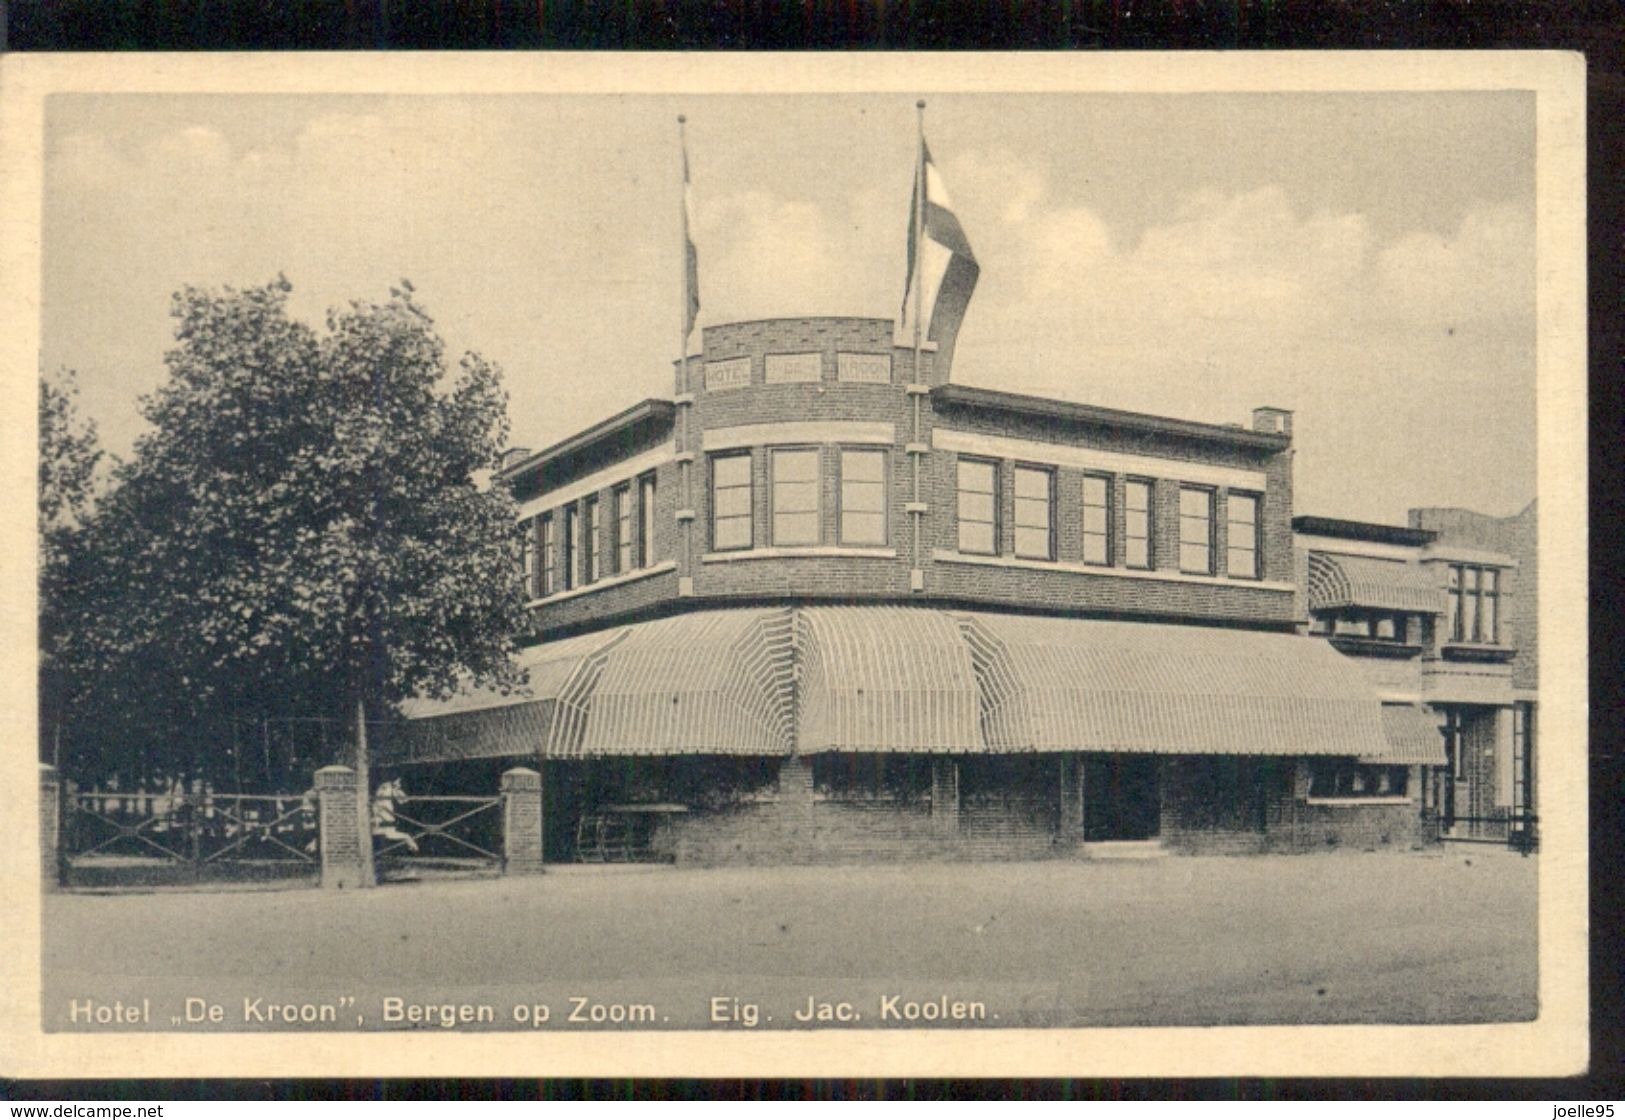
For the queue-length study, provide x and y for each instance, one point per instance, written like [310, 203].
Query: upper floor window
[1035, 507]
[1474, 604]
[795, 496]
[731, 502]
[550, 556]
[1353, 622]
[527, 556]
[570, 545]
[646, 520]
[978, 506]
[622, 495]
[1097, 519]
[592, 535]
[863, 497]
[1196, 530]
[1241, 538]
[1137, 523]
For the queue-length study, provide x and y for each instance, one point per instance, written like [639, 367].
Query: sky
[1366, 260]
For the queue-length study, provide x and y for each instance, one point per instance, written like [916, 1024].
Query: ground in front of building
[1440, 936]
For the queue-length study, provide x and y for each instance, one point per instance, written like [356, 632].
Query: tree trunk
[363, 793]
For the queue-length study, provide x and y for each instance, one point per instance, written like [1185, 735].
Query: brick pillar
[1071, 823]
[521, 822]
[338, 827]
[944, 794]
[50, 827]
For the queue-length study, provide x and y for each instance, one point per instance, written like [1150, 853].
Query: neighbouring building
[825, 605]
[1436, 620]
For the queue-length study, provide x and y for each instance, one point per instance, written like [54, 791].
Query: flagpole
[683, 395]
[919, 282]
[919, 231]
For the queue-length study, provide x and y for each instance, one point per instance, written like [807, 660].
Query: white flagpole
[683, 395]
[919, 234]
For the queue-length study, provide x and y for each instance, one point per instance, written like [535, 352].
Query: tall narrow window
[1455, 630]
[1035, 501]
[570, 544]
[730, 502]
[550, 556]
[646, 520]
[1469, 604]
[1241, 545]
[1097, 519]
[1196, 530]
[592, 533]
[863, 497]
[795, 496]
[978, 507]
[1489, 615]
[623, 527]
[527, 557]
[1137, 523]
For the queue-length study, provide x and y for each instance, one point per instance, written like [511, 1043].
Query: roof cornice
[993, 400]
[653, 409]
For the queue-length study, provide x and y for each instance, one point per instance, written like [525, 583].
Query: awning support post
[944, 794]
[1071, 789]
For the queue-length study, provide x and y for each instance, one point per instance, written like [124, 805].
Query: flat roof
[968, 396]
[1361, 530]
[653, 409]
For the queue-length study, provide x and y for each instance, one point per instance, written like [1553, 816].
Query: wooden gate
[414, 836]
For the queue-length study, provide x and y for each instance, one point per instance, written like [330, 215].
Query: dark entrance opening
[1121, 797]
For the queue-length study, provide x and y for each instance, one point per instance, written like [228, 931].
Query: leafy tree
[304, 527]
[68, 460]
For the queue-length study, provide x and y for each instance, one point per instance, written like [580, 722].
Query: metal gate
[111, 837]
[436, 835]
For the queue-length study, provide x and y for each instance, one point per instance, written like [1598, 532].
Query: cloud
[762, 255]
[1482, 274]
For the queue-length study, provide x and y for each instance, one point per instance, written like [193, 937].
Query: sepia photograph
[711, 565]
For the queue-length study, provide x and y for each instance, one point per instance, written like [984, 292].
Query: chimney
[1277, 420]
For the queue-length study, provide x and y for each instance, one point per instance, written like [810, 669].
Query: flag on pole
[942, 273]
[691, 258]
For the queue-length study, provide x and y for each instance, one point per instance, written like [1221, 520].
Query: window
[863, 497]
[623, 527]
[571, 543]
[1356, 623]
[795, 496]
[591, 531]
[978, 507]
[550, 556]
[1137, 523]
[1035, 501]
[1097, 519]
[1195, 530]
[1336, 777]
[1241, 545]
[646, 520]
[527, 557]
[1474, 604]
[730, 502]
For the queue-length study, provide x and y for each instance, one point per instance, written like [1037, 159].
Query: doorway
[1122, 797]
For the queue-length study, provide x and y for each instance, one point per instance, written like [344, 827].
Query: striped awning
[1337, 581]
[1413, 736]
[712, 682]
[783, 680]
[546, 715]
[1051, 684]
[884, 679]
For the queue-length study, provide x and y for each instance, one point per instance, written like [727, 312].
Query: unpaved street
[1411, 937]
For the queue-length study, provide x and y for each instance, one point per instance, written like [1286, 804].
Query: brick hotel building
[826, 605]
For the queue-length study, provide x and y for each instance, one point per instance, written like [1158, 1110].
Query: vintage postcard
[710, 565]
